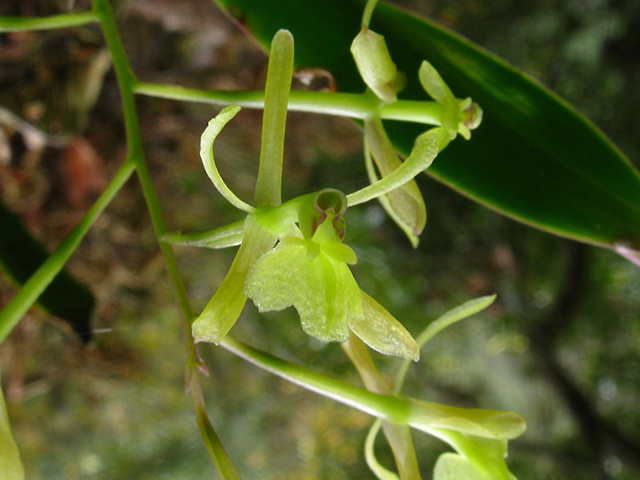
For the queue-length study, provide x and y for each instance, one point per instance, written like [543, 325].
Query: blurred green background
[561, 345]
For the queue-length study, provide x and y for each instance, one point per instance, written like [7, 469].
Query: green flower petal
[286, 276]
[451, 466]
[374, 64]
[382, 332]
[405, 204]
[225, 307]
[434, 85]
[493, 424]
[209, 135]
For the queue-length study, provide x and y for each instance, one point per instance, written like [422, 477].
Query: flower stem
[352, 105]
[388, 407]
[368, 12]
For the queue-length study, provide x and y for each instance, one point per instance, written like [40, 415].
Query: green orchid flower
[405, 204]
[311, 273]
[292, 254]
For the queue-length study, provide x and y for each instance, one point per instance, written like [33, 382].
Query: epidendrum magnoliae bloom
[292, 255]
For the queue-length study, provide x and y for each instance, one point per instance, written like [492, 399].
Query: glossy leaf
[533, 158]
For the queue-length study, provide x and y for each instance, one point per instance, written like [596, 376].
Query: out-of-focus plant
[292, 253]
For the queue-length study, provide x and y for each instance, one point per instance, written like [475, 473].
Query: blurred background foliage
[560, 346]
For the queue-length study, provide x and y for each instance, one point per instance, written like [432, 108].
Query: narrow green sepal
[223, 310]
[405, 204]
[494, 424]
[223, 237]
[382, 332]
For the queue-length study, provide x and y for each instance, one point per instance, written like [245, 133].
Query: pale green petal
[405, 204]
[486, 455]
[340, 252]
[209, 135]
[433, 84]
[493, 424]
[223, 237]
[382, 332]
[10, 463]
[225, 307]
[348, 288]
[287, 277]
[374, 64]
[451, 466]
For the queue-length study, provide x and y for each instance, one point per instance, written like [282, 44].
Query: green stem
[398, 436]
[31, 290]
[274, 120]
[222, 462]
[393, 409]
[127, 83]
[368, 12]
[17, 24]
[352, 105]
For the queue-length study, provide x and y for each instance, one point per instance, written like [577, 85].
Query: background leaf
[534, 158]
[21, 255]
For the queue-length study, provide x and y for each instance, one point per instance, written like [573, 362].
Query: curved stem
[424, 152]
[387, 407]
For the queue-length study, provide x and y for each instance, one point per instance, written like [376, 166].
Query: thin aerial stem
[127, 82]
[387, 407]
[18, 24]
[31, 290]
[360, 106]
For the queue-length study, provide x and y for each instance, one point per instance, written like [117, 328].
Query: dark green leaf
[21, 255]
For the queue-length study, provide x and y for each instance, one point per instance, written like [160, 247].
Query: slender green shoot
[452, 316]
[360, 106]
[18, 24]
[18, 306]
[423, 154]
[209, 135]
